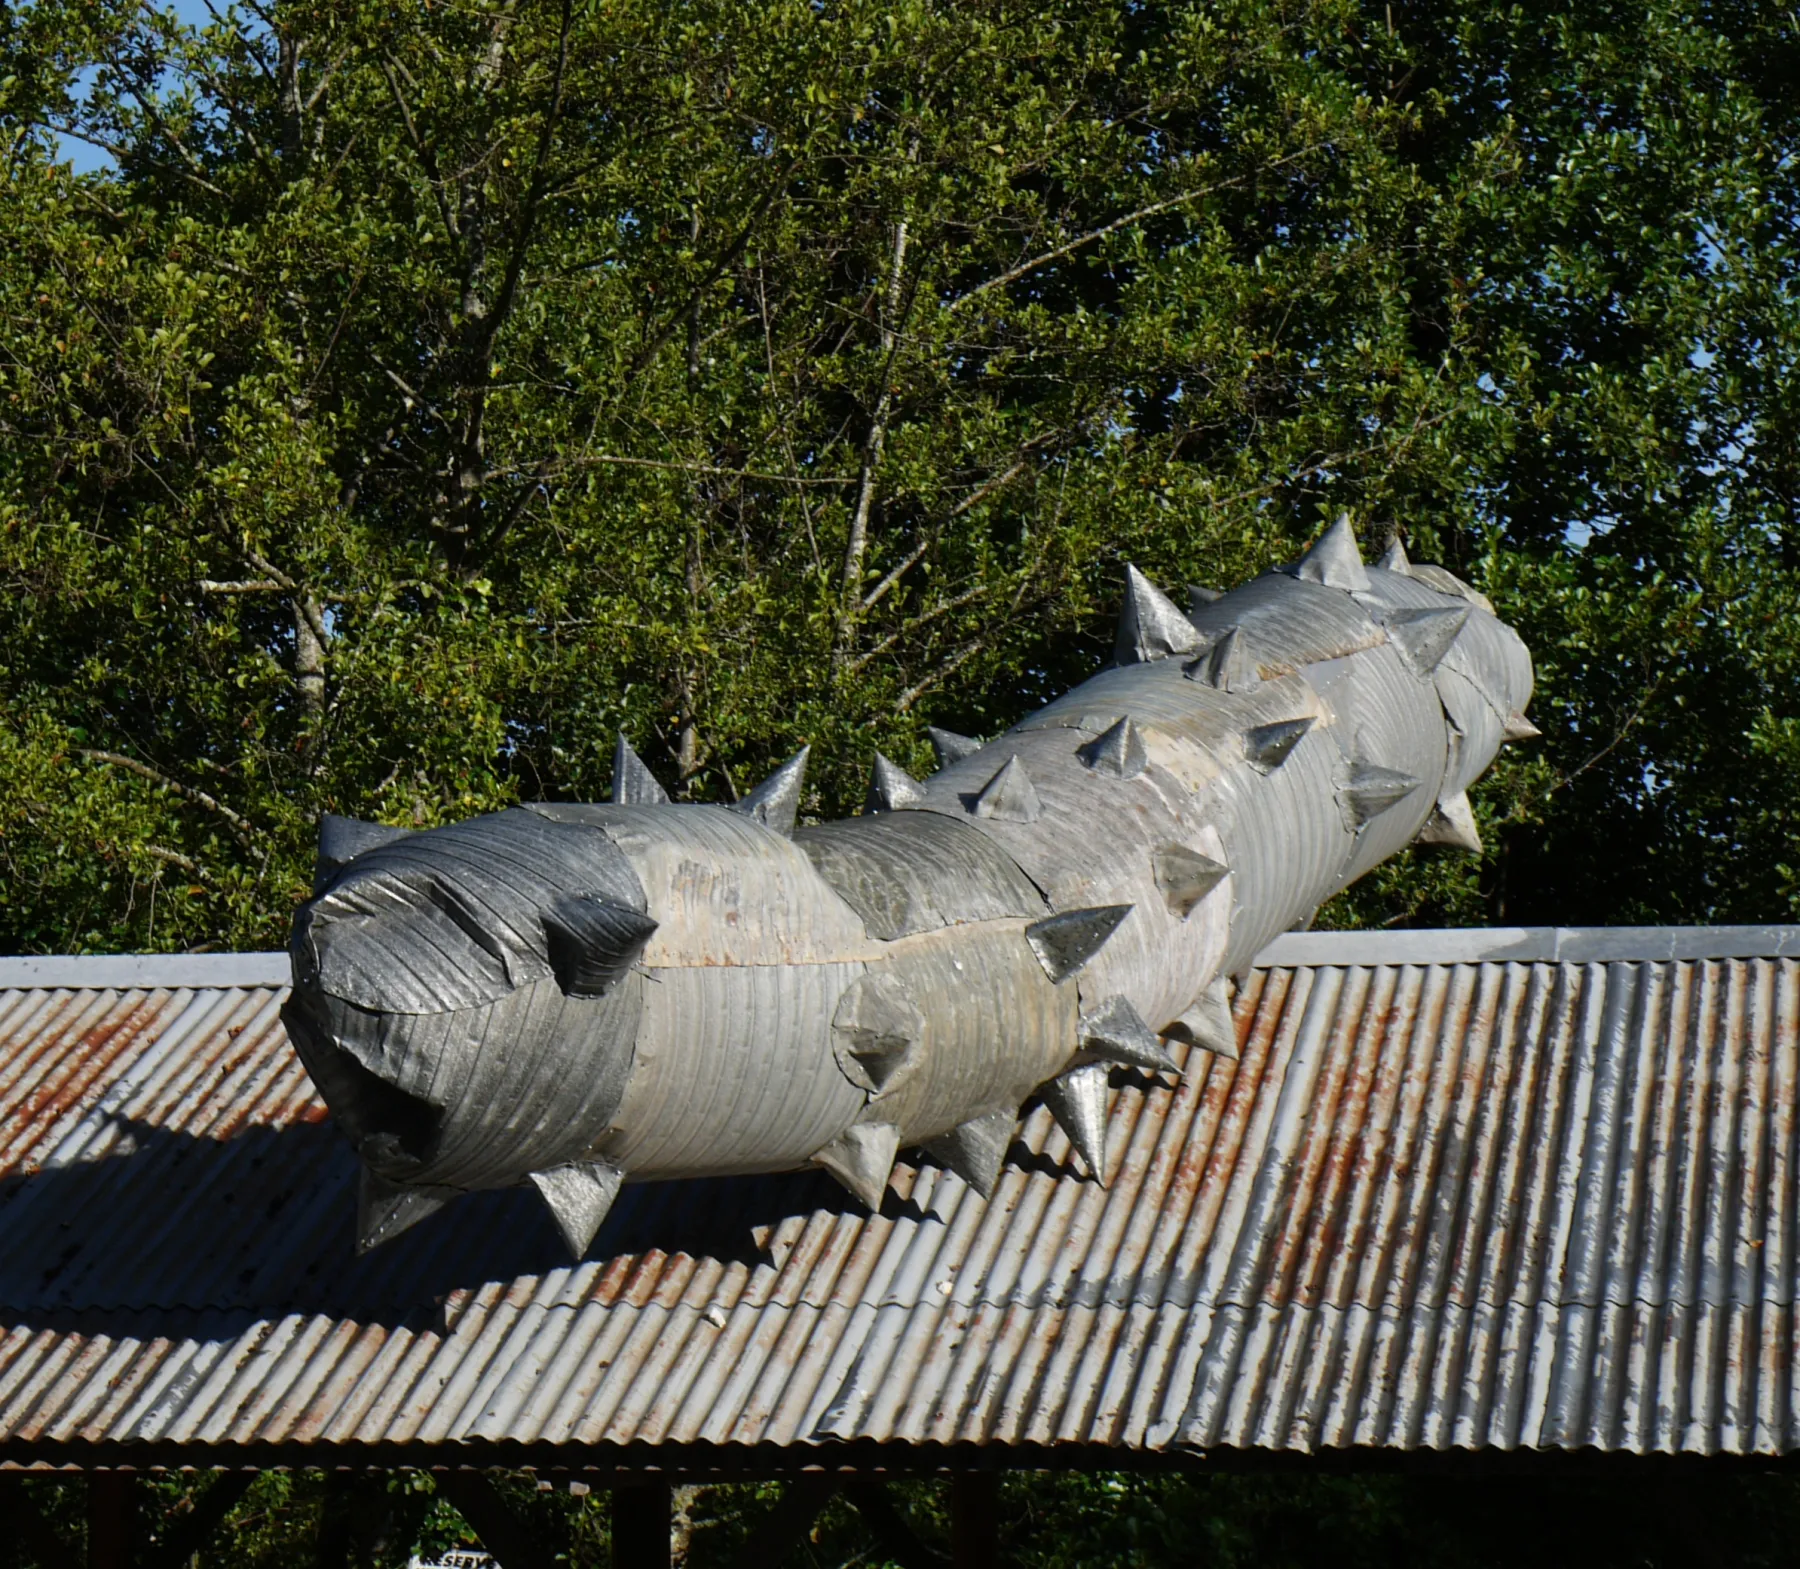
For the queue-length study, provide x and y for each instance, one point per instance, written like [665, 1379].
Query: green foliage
[423, 393]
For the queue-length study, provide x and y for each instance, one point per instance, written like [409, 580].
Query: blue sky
[86, 159]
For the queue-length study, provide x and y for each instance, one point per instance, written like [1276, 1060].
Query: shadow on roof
[172, 1235]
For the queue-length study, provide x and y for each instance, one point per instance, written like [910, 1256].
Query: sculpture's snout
[465, 998]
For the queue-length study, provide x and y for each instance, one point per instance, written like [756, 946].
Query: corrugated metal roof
[1442, 1202]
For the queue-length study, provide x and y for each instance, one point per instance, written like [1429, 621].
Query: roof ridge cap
[142, 971]
[1529, 945]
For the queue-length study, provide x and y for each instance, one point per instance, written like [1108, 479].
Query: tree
[422, 395]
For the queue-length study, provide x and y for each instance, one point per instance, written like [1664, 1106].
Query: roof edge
[772, 1461]
[1530, 945]
[1440, 945]
[143, 971]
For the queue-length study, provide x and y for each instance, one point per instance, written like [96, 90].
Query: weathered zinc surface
[578, 996]
[1460, 1190]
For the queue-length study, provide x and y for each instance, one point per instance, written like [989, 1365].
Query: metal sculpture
[579, 996]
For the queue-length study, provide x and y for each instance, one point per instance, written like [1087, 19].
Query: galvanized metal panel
[876, 864]
[742, 1057]
[1159, 959]
[726, 889]
[142, 971]
[1015, 1029]
[1441, 1202]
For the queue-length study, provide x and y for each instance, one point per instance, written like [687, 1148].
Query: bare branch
[116, 150]
[189, 865]
[423, 152]
[206, 585]
[857, 543]
[412, 396]
[603, 459]
[944, 671]
[955, 602]
[194, 170]
[968, 502]
[331, 343]
[1013, 274]
[527, 226]
[551, 466]
[325, 76]
[269, 569]
[1336, 460]
[309, 655]
[486, 322]
[251, 52]
[1631, 722]
[241, 118]
[185, 791]
[729, 258]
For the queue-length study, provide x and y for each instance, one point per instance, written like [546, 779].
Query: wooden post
[974, 1520]
[640, 1524]
[195, 1529]
[112, 1519]
[897, 1539]
[511, 1541]
[331, 1546]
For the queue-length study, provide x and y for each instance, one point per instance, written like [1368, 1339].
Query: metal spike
[1114, 1032]
[1423, 637]
[342, 839]
[633, 784]
[775, 803]
[1393, 559]
[1334, 560]
[1449, 584]
[1185, 877]
[1266, 747]
[1225, 663]
[1452, 823]
[1519, 728]
[1064, 943]
[385, 1209]
[1150, 626]
[1119, 752]
[1010, 796]
[578, 1196]
[345, 838]
[949, 746]
[1077, 1099]
[976, 1150]
[862, 1158]
[1208, 1023]
[876, 1030]
[1372, 790]
[891, 787]
[1199, 598]
[593, 943]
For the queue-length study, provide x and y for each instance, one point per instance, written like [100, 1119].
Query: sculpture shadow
[179, 1236]
[1020, 1156]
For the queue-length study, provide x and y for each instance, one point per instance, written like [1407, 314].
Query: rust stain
[1434, 1215]
[80, 1069]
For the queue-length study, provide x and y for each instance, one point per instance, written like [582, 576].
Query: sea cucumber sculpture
[580, 996]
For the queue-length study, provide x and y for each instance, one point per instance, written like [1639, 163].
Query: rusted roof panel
[1454, 1202]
